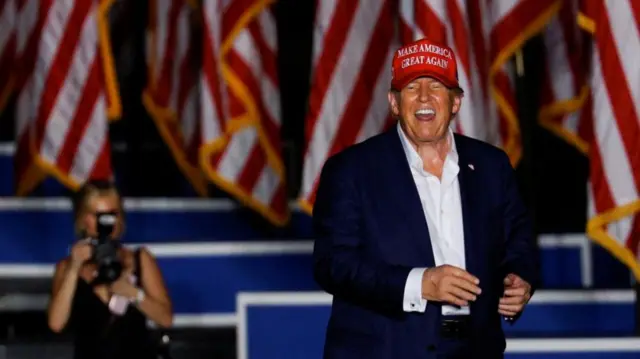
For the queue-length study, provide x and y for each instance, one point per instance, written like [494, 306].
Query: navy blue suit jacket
[371, 231]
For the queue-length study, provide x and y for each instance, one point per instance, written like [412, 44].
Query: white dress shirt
[442, 208]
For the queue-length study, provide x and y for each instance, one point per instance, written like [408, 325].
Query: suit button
[431, 347]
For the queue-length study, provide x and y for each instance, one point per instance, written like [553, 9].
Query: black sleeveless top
[99, 334]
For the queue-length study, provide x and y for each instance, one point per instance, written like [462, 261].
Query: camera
[105, 250]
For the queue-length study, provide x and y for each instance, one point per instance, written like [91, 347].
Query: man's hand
[517, 293]
[450, 284]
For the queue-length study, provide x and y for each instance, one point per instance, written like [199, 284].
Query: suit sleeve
[521, 257]
[341, 266]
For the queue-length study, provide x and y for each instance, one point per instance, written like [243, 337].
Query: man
[422, 237]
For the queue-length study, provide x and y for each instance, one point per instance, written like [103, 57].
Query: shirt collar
[412, 155]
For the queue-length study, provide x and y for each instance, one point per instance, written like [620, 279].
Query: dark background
[552, 173]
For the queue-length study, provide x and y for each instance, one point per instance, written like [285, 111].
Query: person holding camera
[103, 292]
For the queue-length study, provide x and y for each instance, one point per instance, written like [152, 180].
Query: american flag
[172, 96]
[564, 84]
[353, 46]
[241, 105]
[67, 91]
[8, 39]
[614, 119]
[590, 98]
[352, 52]
[484, 36]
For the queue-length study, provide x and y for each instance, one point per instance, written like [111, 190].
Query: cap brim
[407, 78]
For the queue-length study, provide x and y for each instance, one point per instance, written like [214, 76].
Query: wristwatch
[139, 296]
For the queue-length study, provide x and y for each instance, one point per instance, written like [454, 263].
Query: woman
[108, 320]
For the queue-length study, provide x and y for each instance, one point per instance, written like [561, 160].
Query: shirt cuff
[413, 301]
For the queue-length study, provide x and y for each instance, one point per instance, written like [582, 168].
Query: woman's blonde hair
[95, 188]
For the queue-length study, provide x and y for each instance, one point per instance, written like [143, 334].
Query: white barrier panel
[291, 325]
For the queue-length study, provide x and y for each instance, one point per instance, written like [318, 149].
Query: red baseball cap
[424, 58]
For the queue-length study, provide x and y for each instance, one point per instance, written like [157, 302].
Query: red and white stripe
[483, 35]
[28, 31]
[62, 106]
[172, 96]
[564, 88]
[353, 48]
[8, 39]
[213, 100]
[614, 150]
[242, 141]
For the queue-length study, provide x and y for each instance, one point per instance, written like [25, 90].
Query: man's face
[425, 108]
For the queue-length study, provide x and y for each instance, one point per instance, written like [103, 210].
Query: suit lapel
[403, 195]
[468, 186]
